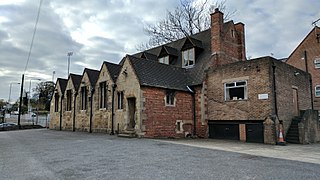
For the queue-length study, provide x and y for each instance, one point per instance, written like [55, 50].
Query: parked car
[7, 124]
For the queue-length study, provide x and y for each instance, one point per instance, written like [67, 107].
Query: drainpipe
[274, 89]
[112, 109]
[61, 112]
[74, 111]
[194, 110]
[275, 100]
[90, 121]
[310, 79]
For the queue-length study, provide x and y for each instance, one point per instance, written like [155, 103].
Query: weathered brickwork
[311, 45]
[259, 77]
[161, 119]
[289, 79]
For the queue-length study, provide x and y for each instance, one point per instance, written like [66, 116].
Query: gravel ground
[47, 154]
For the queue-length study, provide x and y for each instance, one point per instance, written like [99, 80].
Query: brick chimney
[216, 31]
[227, 40]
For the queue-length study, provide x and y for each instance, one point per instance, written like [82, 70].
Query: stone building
[201, 85]
[84, 102]
[56, 107]
[104, 97]
[69, 101]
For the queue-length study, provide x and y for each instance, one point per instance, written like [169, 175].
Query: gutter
[90, 120]
[112, 109]
[192, 92]
[74, 111]
[62, 96]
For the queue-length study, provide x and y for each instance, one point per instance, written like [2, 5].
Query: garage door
[254, 132]
[224, 131]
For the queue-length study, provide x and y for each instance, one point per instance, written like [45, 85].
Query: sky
[107, 30]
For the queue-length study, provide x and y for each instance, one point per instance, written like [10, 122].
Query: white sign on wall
[263, 96]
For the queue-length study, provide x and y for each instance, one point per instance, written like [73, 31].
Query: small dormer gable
[167, 55]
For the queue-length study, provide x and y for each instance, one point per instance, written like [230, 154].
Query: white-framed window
[164, 60]
[317, 91]
[188, 59]
[170, 98]
[317, 63]
[235, 91]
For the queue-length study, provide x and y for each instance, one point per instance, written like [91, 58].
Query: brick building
[200, 85]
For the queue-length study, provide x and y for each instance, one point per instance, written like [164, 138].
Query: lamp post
[69, 54]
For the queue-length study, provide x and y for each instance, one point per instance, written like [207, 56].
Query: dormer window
[164, 60]
[188, 58]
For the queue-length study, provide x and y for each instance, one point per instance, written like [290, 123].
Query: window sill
[170, 105]
[102, 109]
[236, 100]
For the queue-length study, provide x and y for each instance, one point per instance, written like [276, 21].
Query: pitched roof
[152, 73]
[201, 40]
[76, 79]
[62, 84]
[93, 75]
[114, 70]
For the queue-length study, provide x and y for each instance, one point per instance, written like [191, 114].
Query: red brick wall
[160, 120]
[312, 46]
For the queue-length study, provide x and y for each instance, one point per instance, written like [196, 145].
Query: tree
[188, 18]
[44, 91]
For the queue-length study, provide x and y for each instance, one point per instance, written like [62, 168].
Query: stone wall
[55, 115]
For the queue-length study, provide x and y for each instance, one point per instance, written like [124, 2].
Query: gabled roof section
[316, 28]
[76, 79]
[154, 74]
[113, 69]
[195, 43]
[93, 75]
[148, 56]
[169, 50]
[62, 83]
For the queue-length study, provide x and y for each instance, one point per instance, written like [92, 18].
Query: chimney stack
[216, 31]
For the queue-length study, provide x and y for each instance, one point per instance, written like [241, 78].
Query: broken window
[69, 99]
[103, 95]
[170, 95]
[236, 90]
[188, 58]
[84, 97]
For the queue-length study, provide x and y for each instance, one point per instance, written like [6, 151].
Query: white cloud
[108, 29]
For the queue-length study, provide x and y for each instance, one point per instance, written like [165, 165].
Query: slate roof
[93, 75]
[154, 74]
[62, 84]
[194, 75]
[114, 70]
[76, 79]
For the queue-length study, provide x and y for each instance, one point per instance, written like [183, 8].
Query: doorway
[131, 113]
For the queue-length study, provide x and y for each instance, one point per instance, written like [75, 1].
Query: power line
[33, 35]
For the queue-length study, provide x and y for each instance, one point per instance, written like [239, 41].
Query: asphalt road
[47, 154]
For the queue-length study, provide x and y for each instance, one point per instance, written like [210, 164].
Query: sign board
[263, 96]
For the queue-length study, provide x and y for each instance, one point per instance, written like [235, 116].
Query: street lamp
[9, 99]
[69, 54]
